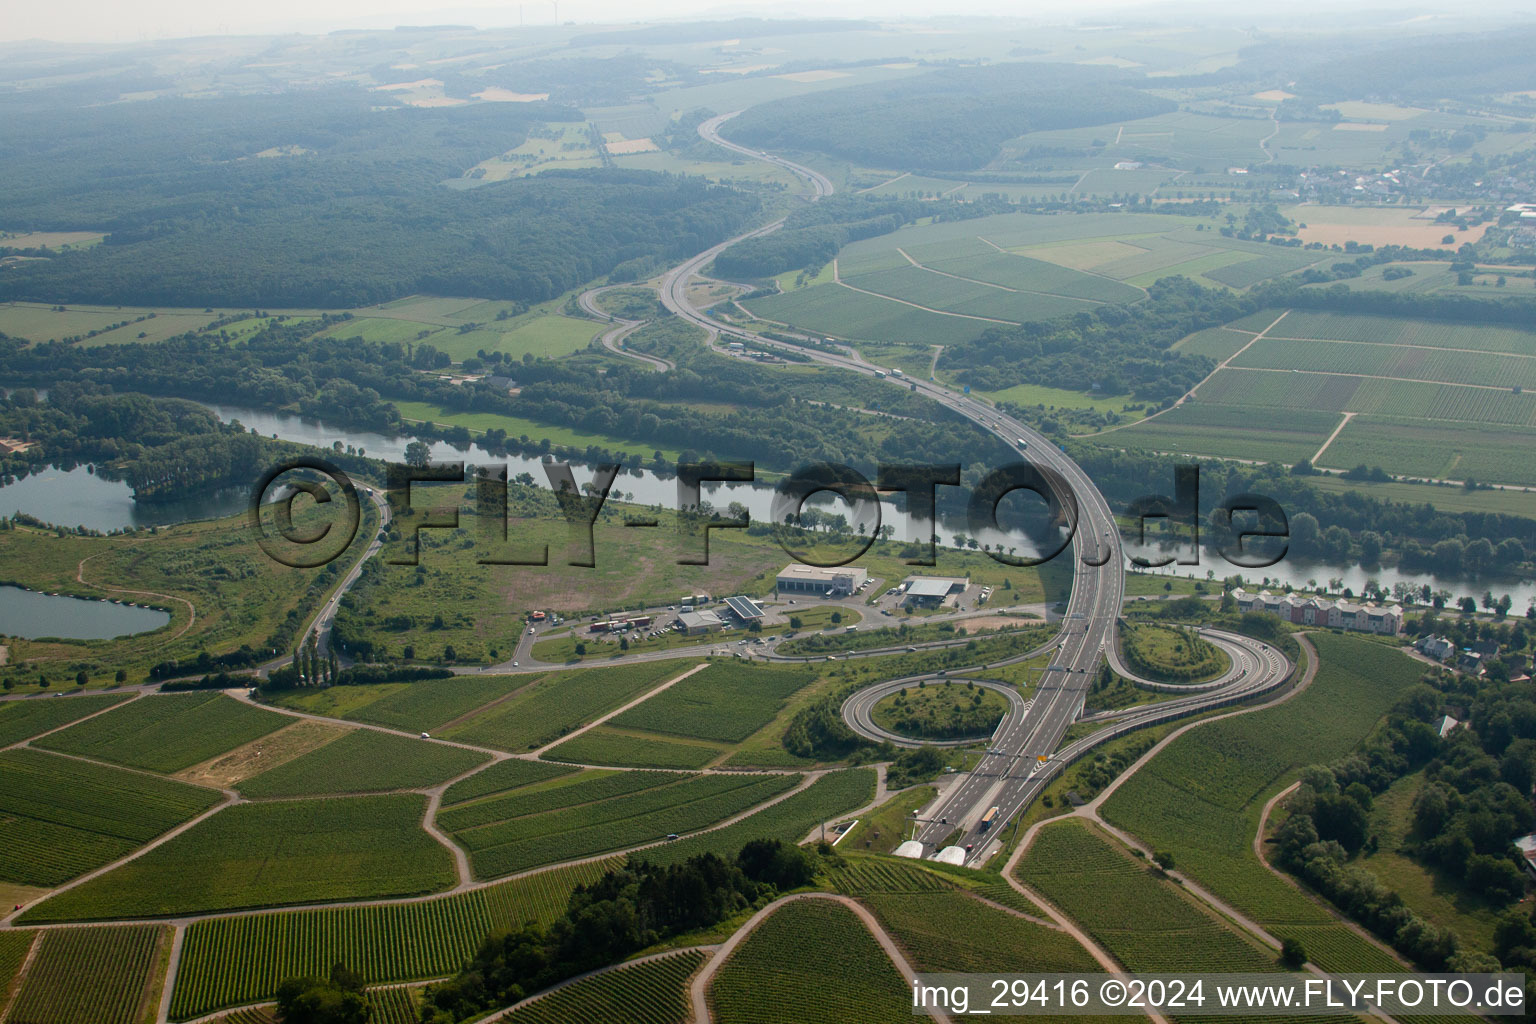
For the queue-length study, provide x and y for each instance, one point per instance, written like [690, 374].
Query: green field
[1429, 399]
[232, 960]
[833, 310]
[653, 992]
[949, 931]
[426, 705]
[1200, 798]
[726, 702]
[270, 854]
[364, 761]
[538, 795]
[559, 703]
[21, 719]
[506, 835]
[543, 337]
[1216, 343]
[166, 733]
[809, 953]
[1445, 497]
[608, 745]
[501, 776]
[100, 975]
[60, 817]
[1447, 451]
[518, 427]
[1369, 359]
[1227, 431]
[791, 819]
[1146, 923]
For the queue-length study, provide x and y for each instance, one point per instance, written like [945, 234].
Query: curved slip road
[1012, 771]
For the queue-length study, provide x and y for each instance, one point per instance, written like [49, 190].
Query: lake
[34, 615]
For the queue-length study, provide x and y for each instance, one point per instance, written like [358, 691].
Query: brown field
[1274, 96]
[1335, 225]
[1356, 126]
[49, 239]
[993, 622]
[267, 752]
[632, 146]
[1081, 255]
[496, 94]
[806, 77]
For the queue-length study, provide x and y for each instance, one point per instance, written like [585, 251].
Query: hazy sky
[116, 21]
[135, 20]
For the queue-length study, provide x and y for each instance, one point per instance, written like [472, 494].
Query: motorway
[1011, 774]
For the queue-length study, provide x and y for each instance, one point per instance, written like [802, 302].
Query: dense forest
[950, 119]
[779, 421]
[160, 447]
[354, 214]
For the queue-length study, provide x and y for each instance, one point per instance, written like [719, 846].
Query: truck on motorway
[1022, 443]
[988, 819]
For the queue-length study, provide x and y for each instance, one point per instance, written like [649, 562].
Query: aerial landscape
[734, 515]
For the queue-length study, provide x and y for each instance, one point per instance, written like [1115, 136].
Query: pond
[78, 497]
[33, 615]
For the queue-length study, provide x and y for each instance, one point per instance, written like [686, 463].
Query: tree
[1292, 955]
[418, 454]
[82, 677]
[1341, 819]
[338, 999]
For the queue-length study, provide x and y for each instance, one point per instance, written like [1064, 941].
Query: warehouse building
[830, 581]
[698, 623]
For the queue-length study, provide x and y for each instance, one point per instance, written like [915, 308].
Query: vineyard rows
[1145, 922]
[1200, 798]
[725, 702]
[364, 761]
[610, 746]
[613, 825]
[810, 960]
[868, 875]
[392, 1006]
[233, 960]
[791, 819]
[559, 703]
[503, 775]
[20, 719]
[588, 787]
[166, 733]
[950, 931]
[654, 992]
[60, 817]
[95, 975]
[1393, 331]
[426, 705]
[269, 854]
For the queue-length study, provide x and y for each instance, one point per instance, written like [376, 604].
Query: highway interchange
[1024, 754]
[1011, 774]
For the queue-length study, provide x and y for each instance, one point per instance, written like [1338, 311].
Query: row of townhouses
[1318, 611]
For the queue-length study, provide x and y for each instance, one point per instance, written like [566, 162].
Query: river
[80, 498]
